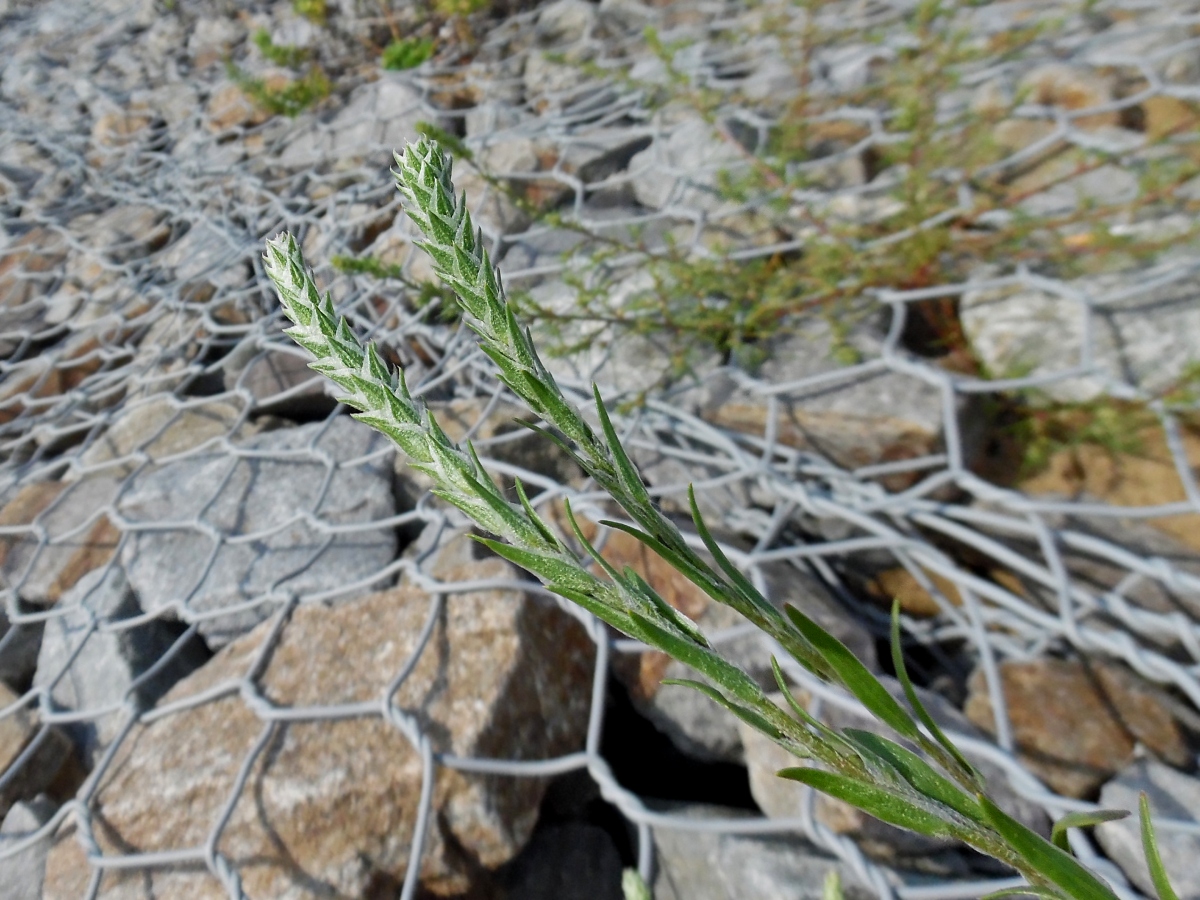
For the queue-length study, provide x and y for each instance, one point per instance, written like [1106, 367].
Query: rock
[18, 728]
[155, 429]
[622, 363]
[89, 663]
[379, 117]
[1104, 186]
[129, 232]
[680, 170]
[1076, 725]
[79, 537]
[898, 583]
[211, 40]
[22, 873]
[1172, 795]
[782, 799]
[504, 675]
[1071, 88]
[292, 474]
[277, 381]
[204, 261]
[706, 865]
[1140, 334]
[29, 268]
[565, 21]
[229, 107]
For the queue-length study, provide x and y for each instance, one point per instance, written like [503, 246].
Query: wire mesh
[137, 193]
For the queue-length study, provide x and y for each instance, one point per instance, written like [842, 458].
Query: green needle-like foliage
[934, 791]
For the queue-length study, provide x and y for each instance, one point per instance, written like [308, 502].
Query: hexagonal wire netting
[133, 278]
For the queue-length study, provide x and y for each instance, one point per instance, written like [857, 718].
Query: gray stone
[378, 118]
[211, 39]
[23, 872]
[278, 381]
[191, 517]
[779, 798]
[1142, 330]
[158, 428]
[505, 674]
[89, 661]
[680, 170]
[702, 865]
[127, 233]
[1172, 795]
[565, 21]
[78, 537]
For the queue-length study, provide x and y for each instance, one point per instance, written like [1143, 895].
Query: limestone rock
[1172, 795]
[783, 799]
[79, 537]
[565, 21]
[91, 668]
[158, 428]
[269, 490]
[329, 806]
[1142, 336]
[681, 169]
[128, 232]
[705, 865]
[18, 728]
[1076, 725]
[378, 118]
[278, 381]
[22, 873]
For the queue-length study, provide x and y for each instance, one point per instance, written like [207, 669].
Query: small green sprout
[406, 54]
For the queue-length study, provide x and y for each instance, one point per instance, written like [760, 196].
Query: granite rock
[1172, 795]
[505, 674]
[191, 519]
[702, 865]
[1077, 724]
[157, 428]
[78, 536]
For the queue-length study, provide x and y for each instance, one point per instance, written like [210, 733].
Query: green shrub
[280, 54]
[406, 54]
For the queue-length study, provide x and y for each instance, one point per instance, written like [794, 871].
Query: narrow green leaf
[920, 774]
[881, 804]
[744, 587]
[1056, 866]
[749, 716]
[682, 563]
[854, 675]
[1058, 836]
[1026, 891]
[541, 526]
[969, 772]
[1158, 872]
[636, 582]
[717, 669]
[631, 480]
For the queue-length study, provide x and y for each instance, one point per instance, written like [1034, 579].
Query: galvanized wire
[152, 326]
